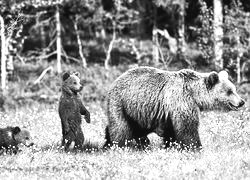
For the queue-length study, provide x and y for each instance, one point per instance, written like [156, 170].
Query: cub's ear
[77, 74]
[65, 76]
[211, 80]
[16, 130]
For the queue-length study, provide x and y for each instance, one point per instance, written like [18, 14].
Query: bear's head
[221, 92]
[71, 82]
[21, 136]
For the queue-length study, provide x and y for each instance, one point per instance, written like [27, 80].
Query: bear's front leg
[189, 139]
[185, 127]
[84, 111]
[87, 116]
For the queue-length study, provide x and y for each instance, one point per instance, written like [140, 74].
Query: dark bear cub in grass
[70, 111]
[145, 100]
[11, 137]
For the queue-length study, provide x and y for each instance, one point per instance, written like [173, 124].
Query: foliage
[236, 38]
[22, 91]
[204, 32]
[166, 3]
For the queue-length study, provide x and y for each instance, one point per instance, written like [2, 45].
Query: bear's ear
[223, 75]
[16, 130]
[65, 76]
[211, 80]
[77, 74]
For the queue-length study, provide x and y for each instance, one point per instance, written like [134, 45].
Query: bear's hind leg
[79, 140]
[67, 141]
[120, 132]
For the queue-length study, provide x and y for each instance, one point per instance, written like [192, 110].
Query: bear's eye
[75, 83]
[229, 92]
[27, 138]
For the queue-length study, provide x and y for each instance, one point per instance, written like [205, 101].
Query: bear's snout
[242, 102]
[31, 144]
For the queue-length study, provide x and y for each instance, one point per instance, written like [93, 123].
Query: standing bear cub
[70, 111]
[11, 137]
[145, 100]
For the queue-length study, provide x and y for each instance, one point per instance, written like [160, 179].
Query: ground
[225, 155]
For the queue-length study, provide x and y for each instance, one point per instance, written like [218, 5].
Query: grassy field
[225, 155]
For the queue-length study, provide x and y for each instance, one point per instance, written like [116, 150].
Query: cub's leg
[79, 140]
[68, 139]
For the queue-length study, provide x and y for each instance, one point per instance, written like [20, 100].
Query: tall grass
[225, 155]
[225, 138]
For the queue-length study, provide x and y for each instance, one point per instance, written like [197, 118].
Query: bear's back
[142, 79]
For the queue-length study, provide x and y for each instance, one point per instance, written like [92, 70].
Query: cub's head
[222, 92]
[21, 136]
[71, 82]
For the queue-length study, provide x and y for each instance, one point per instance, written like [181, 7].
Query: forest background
[102, 39]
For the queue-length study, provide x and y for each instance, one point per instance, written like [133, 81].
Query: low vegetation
[225, 138]
[225, 154]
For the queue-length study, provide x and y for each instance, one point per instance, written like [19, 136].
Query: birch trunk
[43, 37]
[155, 46]
[240, 53]
[238, 69]
[58, 41]
[3, 55]
[218, 33]
[181, 29]
[84, 63]
[108, 54]
[155, 52]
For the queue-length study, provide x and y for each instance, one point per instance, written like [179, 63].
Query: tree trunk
[4, 54]
[58, 41]
[155, 46]
[43, 37]
[143, 22]
[239, 55]
[218, 33]
[155, 53]
[181, 29]
[108, 54]
[238, 69]
[84, 63]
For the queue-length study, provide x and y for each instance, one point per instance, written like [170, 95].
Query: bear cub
[11, 137]
[70, 111]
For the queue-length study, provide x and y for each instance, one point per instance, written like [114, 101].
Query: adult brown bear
[145, 100]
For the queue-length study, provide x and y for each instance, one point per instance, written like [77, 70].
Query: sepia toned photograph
[125, 89]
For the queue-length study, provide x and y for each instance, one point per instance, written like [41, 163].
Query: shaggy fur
[145, 100]
[70, 111]
[11, 137]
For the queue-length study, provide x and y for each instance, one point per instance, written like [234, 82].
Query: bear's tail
[108, 142]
